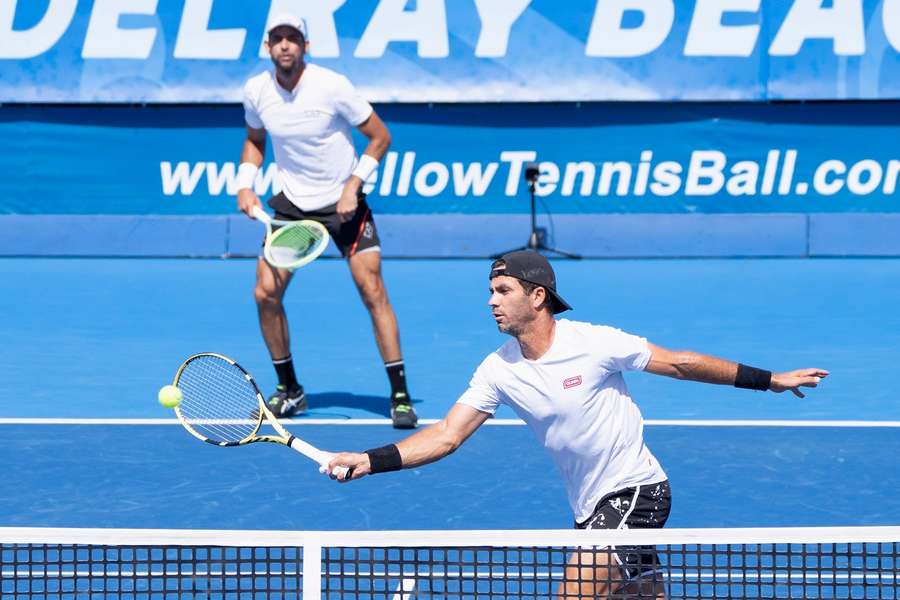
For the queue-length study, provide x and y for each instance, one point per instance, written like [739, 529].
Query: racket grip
[323, 458]
[260, 215]
[341, 472]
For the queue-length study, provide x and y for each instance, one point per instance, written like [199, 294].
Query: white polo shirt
[575, 400]
[311, 131]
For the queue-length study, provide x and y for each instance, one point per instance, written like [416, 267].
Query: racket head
[296, 244]
[221, 403]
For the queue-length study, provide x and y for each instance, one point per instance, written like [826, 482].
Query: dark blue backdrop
[598, 158]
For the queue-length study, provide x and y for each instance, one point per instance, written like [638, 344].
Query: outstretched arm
[423, 447]
[709, 369]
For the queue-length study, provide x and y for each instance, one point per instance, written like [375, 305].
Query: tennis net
[104, 564]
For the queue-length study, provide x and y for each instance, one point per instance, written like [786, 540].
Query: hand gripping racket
[221, 405]
[294, 243]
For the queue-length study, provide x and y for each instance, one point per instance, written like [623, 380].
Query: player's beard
[509, 329]
[288, 72]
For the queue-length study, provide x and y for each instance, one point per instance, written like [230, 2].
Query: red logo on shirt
[572, 382]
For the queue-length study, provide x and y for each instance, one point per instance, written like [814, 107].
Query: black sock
[285, 369]
[397, 376]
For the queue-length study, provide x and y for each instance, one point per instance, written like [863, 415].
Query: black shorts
[640, 507]
[351, 238]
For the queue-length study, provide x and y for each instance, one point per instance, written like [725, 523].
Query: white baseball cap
[288, 20]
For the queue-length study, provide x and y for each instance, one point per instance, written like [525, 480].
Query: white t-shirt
[575, 400]
[311, 131]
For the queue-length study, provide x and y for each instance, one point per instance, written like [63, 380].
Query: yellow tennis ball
[169, 396]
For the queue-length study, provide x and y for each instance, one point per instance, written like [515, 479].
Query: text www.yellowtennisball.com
[778, 172]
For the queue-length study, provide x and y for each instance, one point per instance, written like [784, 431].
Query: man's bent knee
[267, 297]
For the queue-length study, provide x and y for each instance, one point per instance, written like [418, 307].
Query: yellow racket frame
[284, 437]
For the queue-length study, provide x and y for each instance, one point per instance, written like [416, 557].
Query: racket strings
[293, 242]
[219, 402]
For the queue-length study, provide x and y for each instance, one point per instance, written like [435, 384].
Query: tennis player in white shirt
[309, 112]
[564, 379]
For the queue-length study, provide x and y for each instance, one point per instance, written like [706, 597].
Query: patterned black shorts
[640, 507]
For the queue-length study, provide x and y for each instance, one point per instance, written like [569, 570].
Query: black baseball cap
[530, 266]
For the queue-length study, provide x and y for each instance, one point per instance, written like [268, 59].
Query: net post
[312, 567]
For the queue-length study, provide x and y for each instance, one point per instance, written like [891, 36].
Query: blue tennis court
[87, 343]
[727, 170]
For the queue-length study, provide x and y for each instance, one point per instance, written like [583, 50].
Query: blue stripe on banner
[470, 236]
[112, 235]
[854, 235]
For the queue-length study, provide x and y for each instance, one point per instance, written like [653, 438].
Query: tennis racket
[221, 405]
[294, 243]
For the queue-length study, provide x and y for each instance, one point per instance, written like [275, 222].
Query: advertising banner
[202, 51]
[594, 158]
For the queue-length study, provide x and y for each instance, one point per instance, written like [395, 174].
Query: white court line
[501, 422]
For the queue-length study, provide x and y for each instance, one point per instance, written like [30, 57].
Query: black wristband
[751, 378]
[384, 459]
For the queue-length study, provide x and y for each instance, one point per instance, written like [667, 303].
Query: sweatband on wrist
[365, 167]
[246, 175]
[384, 459]
[751, 378]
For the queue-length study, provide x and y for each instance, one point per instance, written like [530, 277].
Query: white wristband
[246, 175]
[365, 167]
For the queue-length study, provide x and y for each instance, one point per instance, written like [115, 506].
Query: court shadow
[322, 402]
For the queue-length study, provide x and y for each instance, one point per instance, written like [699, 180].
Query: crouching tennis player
[564, 379]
